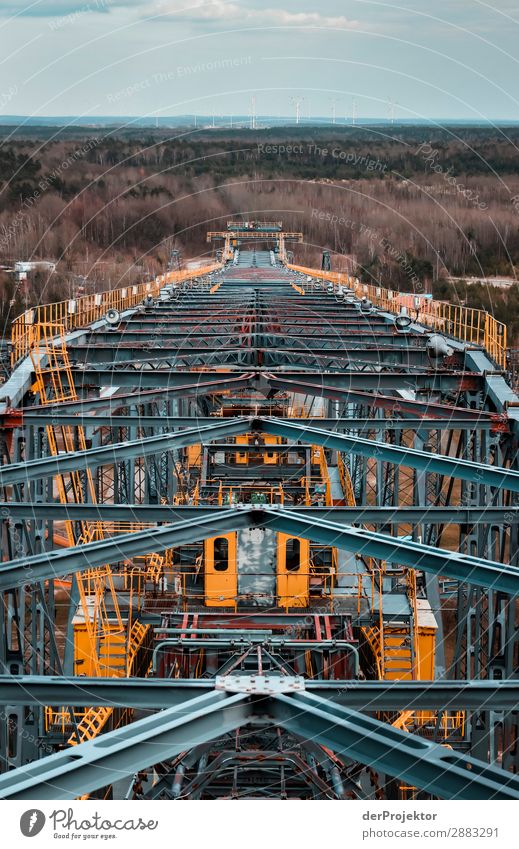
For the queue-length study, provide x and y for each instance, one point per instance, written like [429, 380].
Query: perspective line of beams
[460, 567]
[495, 476]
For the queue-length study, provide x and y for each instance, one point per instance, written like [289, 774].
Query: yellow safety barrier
[80, 312]
[471, 325]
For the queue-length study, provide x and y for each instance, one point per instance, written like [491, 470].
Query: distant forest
[391, 204]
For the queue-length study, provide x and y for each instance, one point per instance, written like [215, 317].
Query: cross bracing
[257, 473]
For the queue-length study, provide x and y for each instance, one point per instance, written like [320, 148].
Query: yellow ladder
[52, 368]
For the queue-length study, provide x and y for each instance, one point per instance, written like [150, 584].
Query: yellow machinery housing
[221, 571]
[293, 571]
[221, 576]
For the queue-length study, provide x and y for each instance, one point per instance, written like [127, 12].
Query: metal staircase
[54, 384]
[397, 654]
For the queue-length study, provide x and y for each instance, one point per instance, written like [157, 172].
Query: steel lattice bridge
[259, 530]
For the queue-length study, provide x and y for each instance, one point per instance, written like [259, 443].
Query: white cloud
[216, 11]
[57, 8]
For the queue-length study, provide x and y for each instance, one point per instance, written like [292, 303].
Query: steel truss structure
[259, 539]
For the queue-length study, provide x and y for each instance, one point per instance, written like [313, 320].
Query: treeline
[394, 204]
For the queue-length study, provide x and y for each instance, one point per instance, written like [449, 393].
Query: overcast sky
[444, 59]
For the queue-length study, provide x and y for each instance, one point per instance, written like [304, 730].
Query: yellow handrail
[471, 325]
[80, 312]
[345, 477]
[411, 595]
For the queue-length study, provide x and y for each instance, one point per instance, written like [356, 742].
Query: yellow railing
[372, 635]
[470, 325]
[357, 586]
[346, 484]
[80, 312]
[91, 721]
[450, 721]
[325, 478]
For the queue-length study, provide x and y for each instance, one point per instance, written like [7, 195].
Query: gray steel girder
[461, 567]
[422, 763]
[107, 758]
[156, 693]
[422, 460]
[152, 513]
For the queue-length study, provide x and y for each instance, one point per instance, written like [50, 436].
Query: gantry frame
[145, 386]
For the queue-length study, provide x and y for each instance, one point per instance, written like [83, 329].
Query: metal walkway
[283, 503]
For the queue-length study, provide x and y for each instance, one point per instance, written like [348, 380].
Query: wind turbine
[297, 102]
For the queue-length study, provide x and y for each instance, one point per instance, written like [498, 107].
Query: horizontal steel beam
[182, 339]
[472, 570]
[484, 422]
[211, 323]
[419, 695]
[121, 353]
[434, 381]
[195, 339]
[153, 513]
[348, 733]
[158, 693]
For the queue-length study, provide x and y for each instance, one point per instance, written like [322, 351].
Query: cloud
[210, 12]
[58, 8]
[219, 11]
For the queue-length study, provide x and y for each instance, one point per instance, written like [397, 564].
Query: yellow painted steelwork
[293, 571]
[242, 457]
[272, 457]
[194, 456]
[220, 574]
[80, 312]
[426, 630]
[466, 323]
[109, 658]
[397, 654]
